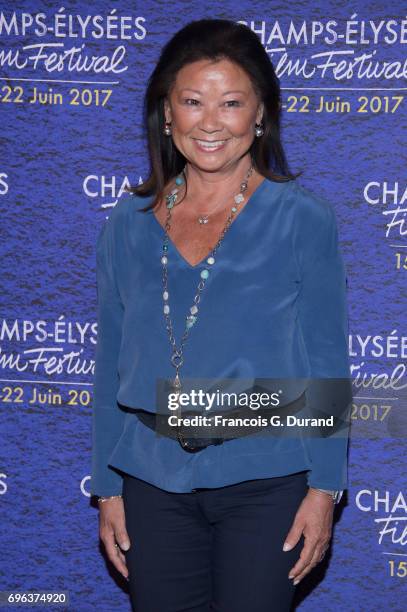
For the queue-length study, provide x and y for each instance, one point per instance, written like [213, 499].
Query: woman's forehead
[222, 74]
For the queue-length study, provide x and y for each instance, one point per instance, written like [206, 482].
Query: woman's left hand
[314, 520]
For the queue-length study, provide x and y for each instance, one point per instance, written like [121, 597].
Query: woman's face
[213, 109]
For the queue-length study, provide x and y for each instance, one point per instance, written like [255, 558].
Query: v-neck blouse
[274, 305]
[249, 204]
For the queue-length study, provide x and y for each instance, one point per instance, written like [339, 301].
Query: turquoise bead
[171, 199]
[204, 273]
[165, 247]
[190, 321]
[234, 209]
[179, 180]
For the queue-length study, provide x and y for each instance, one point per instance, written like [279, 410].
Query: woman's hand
[314, 520]
[112, 532]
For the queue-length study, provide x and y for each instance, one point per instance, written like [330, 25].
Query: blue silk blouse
[274, 305]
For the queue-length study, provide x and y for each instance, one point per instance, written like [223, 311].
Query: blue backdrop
[71, 92]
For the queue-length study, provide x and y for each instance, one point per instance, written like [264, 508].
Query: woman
[223, 233]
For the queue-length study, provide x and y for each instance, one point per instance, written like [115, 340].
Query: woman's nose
[210, 121]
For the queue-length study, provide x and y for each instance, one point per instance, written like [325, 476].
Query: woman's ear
[260, 112]
[167, 111]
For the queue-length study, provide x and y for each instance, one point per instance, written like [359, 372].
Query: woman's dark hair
[212, 39]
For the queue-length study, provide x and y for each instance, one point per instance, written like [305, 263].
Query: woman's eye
[195, 102]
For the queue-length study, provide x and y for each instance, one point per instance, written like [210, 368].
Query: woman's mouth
[209, 146]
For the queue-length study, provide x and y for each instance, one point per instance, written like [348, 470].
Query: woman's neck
[203, 186]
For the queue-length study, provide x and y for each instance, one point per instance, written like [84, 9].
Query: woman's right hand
[112, 530]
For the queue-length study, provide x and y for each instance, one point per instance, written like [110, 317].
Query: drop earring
[167, 129]
[258, 130]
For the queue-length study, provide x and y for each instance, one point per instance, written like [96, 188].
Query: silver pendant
[176, 383]
[203, 219]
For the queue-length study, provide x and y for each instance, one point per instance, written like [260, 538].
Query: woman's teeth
[210, 145]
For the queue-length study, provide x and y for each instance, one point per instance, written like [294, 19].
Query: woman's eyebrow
[226, 93]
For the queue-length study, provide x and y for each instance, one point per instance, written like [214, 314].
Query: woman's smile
[210, 146]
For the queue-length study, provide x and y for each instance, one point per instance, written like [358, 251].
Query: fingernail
[125, 546]
[291, 576]
[296, 582]
[287, 546]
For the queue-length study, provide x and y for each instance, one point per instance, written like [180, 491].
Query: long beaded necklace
[177, 358]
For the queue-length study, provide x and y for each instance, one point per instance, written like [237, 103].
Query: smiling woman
[213, 125]
[243, 263]
[210, 111]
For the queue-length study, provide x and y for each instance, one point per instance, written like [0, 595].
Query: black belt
[194, 442]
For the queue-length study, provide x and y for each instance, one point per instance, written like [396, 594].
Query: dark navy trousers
[212, 550]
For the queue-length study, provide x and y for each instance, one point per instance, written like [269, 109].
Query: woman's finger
[316, 558]
[122, 558]
[306, 555]
[121, 535]
[115, 555]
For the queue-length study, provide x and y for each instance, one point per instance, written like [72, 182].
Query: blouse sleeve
[322, 312]
[107, 418]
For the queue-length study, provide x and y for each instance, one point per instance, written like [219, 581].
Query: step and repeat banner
[72, 138]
